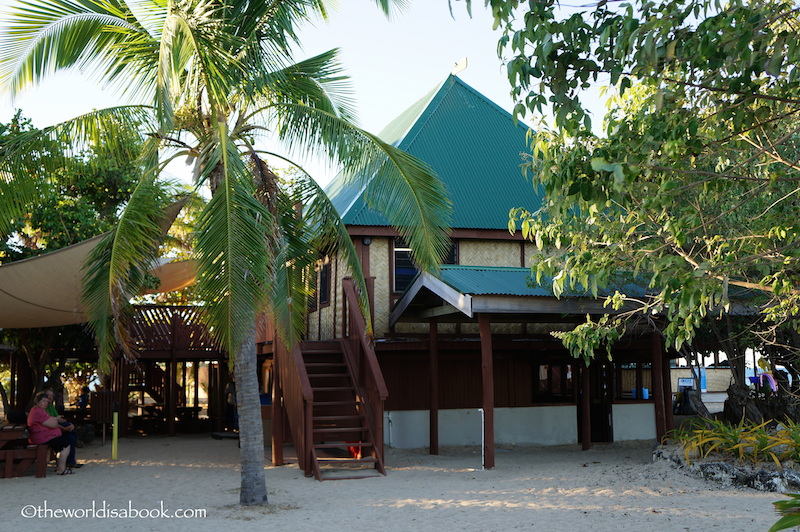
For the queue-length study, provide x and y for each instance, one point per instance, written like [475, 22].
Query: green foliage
[790, 510]
[80, 197]
[693, 184]
[744, 442]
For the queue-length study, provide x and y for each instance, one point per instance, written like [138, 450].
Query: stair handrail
[298, 397]
[368, 375]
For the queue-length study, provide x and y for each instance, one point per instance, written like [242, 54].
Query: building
[466, 354]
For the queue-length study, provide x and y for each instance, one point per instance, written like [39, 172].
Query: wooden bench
[16, 456]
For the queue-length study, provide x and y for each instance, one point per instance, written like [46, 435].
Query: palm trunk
[251, 433]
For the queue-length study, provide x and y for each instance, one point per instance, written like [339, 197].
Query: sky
[392, 63]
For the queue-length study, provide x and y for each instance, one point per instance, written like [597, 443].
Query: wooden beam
[586, 406]
[487, 373]
[277, 411]
[434, 386]
[658, 385]
[670, 419]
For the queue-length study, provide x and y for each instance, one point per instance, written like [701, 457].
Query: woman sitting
[43, 429]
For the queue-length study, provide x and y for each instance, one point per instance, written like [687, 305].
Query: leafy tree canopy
[693, 185]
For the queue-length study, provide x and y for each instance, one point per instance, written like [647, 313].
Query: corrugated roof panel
[502, 281]
[474, 146]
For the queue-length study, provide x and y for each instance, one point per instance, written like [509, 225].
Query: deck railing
[359, 349]
[168, 328]
[298, 400]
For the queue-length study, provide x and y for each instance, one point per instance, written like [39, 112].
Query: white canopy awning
[45, 291]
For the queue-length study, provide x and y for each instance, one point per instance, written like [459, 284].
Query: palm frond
[399, 186]
[330, 234]
[233, 257]
[115, 270]
[101, 37]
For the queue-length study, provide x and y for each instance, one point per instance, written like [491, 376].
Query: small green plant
[752, 443]
[790, 512]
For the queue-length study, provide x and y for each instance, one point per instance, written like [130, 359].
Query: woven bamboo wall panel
[379, 269]
[488, 253]
[530, 251]
[414, 328]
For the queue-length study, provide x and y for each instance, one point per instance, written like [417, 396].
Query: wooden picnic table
[16, 456]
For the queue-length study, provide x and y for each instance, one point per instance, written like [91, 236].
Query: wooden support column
[487, 375]
[123, 385]
[219, 393]
[670, 418]
[277, 408]
[658, 385]
[433, 385]
[586, 406]
[195, 376]
[171, 395]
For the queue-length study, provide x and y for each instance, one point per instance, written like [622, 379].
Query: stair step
[345, 475]
[334, 460]
[325, 364]
[337, 403]
[329, 375]
[328, 430]
[334, 389]
[337, 418]
[361, 444]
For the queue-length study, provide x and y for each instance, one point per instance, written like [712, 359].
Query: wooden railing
[366, 373]
[169, 328]
[298, 398]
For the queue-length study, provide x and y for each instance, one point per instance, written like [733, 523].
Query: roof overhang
[429, 297]
[500, 292]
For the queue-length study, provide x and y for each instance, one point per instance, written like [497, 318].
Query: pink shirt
[38, 433]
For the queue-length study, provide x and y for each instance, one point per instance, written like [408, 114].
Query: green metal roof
[505, 281]
[473, 145]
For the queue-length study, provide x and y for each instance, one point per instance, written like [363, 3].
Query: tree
[216, 77]
[692, 187]
[79, 199]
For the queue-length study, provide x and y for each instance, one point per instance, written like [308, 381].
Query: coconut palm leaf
[406, 190]
[115, 270]
[231, 245]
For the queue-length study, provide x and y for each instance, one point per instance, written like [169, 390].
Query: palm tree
[217, 76]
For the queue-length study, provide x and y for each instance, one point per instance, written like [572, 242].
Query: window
[404, 267]
[553, 383]
[324, 284]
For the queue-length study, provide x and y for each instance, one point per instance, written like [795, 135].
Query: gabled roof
[473, 145]
[469, 290]
[459, 291]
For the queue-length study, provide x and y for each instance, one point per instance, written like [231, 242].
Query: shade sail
[45, 291]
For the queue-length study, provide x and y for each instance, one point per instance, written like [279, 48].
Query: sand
[611, 487]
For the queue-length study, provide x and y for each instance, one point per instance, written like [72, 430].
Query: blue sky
[392, 63]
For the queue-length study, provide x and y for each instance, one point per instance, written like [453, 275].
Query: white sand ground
[612, 487]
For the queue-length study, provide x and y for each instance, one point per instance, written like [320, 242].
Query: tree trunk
[740, 406]
[251, 434]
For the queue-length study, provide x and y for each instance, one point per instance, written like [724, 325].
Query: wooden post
[658, 385]
[670, 419]
[171, 394]
[433, 385]
[487, 373]
[277, 408]
[586, 405]
[196, 376]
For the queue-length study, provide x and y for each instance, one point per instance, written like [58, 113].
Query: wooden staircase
[330, 395]
[343, 444]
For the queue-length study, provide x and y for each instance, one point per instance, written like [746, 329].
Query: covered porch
[489, 331]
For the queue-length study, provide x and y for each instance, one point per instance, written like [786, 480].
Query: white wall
[539, 425]
[634, 421]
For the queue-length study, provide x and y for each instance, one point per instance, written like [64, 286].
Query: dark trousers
[72, 437]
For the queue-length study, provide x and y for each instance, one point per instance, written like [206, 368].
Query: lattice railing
[157, 328]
